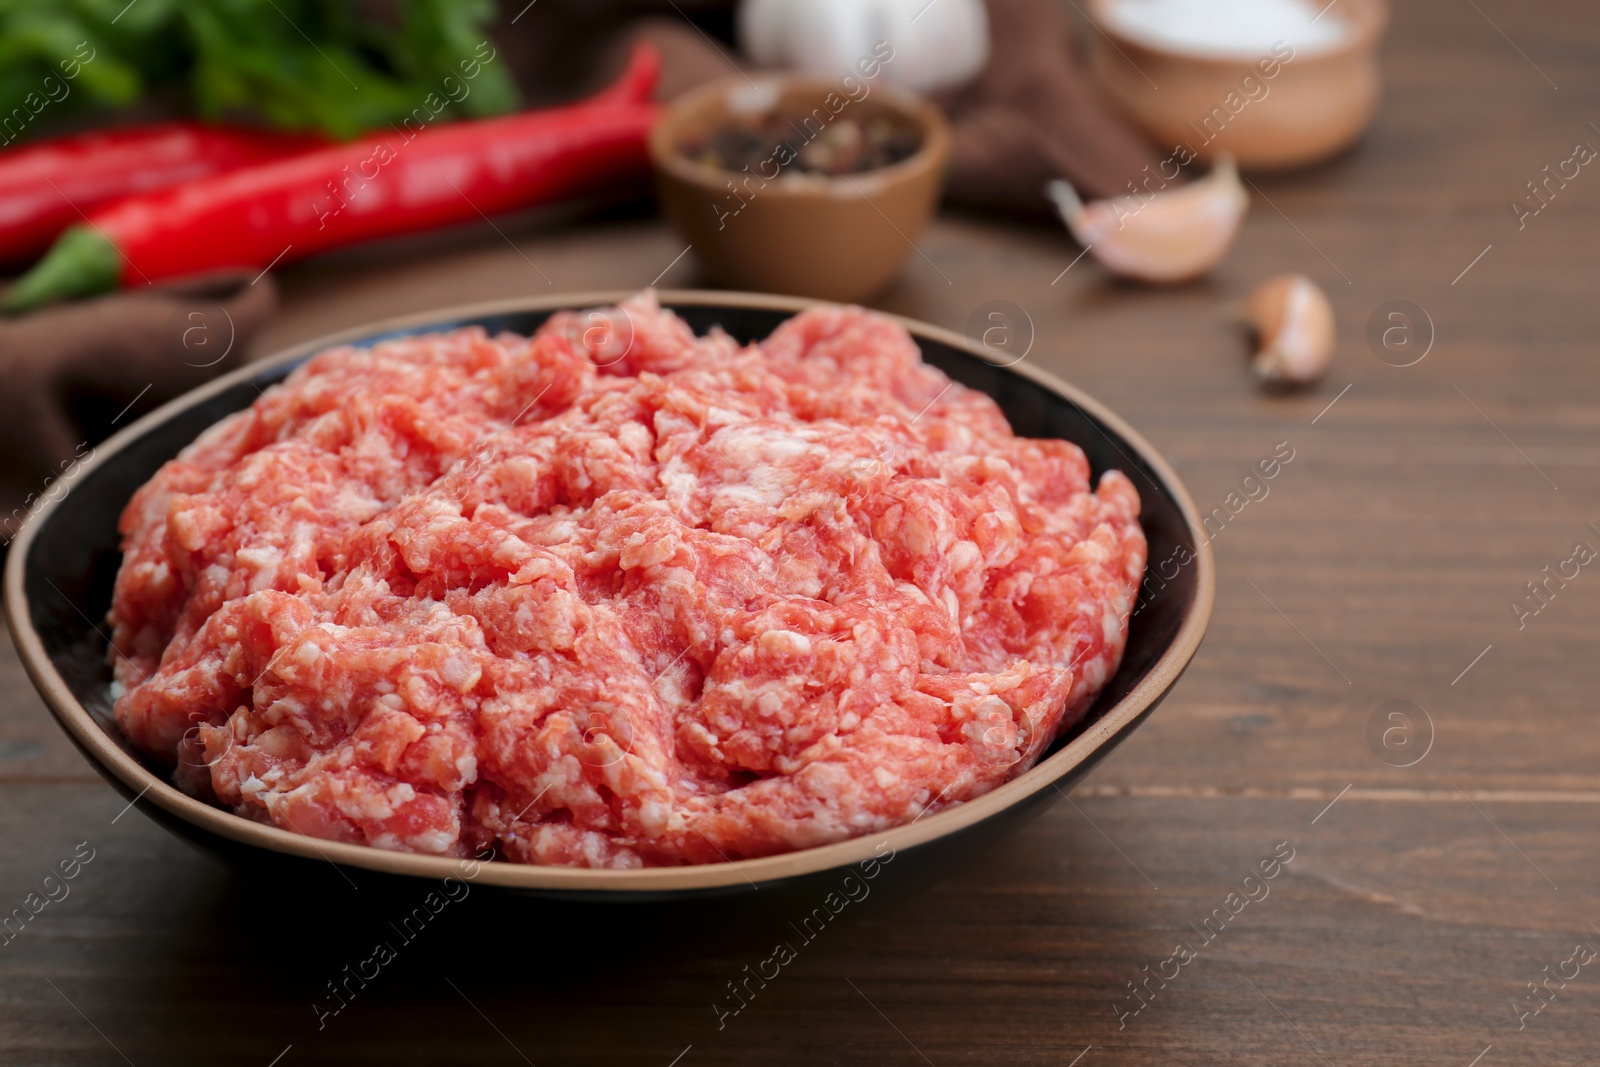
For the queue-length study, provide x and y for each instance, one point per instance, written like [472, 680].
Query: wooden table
[1421, 901]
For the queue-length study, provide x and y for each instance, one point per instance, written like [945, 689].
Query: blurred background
[1351, 238]
[168, 166]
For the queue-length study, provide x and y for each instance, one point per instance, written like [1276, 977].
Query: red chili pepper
[45, 184]
[375, 187]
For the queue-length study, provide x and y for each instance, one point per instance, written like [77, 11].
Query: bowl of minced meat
[614, 596]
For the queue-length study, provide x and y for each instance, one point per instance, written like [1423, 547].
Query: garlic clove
[762, 29]
[823, 35]
[937, 46]
[1294, 327]
[920, 45]
[1162, 237]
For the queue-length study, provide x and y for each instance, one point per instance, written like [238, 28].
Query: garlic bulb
[930, 45]
[1294, 328]
[1162, 237]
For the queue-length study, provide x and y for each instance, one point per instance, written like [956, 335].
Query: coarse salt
[1230, 28]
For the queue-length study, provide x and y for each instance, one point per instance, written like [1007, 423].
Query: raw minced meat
[617, 595]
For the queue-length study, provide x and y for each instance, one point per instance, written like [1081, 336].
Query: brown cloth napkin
[74, 374]
[1032, 115]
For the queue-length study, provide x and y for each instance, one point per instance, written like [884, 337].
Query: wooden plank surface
[1382, 566]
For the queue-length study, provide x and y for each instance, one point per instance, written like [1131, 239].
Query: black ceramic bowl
[59, 577]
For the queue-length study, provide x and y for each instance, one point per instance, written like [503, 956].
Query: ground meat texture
[665, 600]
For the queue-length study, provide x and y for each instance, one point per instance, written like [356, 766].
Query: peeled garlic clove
[1163, 237]
[1293, 322]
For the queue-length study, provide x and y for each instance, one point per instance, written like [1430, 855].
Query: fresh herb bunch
[328, 65]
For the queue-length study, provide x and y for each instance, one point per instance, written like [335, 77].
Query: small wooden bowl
[1314, 107]
[62, 565]
[833, 238]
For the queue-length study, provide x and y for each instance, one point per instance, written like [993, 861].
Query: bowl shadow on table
[552, 974]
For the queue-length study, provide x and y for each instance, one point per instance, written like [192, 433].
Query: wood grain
[1385, 559]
